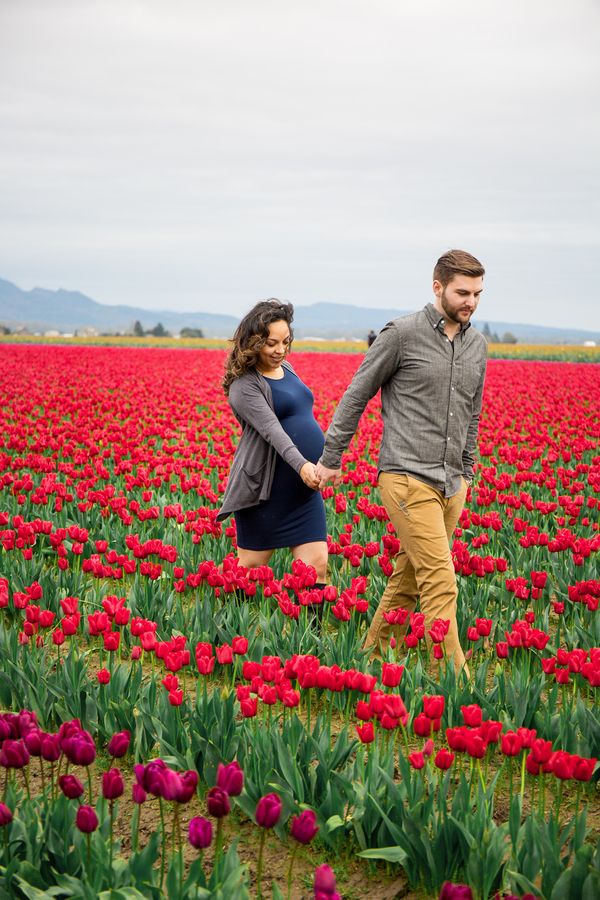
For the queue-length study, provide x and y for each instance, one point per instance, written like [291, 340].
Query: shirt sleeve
[381, 361]
[250, 405]
[468, 455]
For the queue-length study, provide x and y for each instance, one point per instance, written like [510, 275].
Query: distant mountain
[42, 310]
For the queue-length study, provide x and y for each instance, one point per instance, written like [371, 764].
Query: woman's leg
[251, 559]
[313, 554]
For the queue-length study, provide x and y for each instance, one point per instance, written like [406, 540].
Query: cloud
[217, 152]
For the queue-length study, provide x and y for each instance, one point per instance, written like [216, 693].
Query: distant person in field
[273, 488]
[430, 366]
[371, 337]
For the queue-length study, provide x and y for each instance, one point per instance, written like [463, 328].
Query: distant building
[88, 331]
[589, 343]
[52, 333]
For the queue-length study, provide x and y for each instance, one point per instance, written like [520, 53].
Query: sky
[204, 154]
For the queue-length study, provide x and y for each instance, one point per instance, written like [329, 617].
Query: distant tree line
[160, 331]
[492, 336]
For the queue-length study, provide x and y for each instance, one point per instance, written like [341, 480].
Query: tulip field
[173, 725]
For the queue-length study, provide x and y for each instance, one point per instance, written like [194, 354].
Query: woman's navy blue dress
[294, 514]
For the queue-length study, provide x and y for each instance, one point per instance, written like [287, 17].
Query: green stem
[42, 775]
[164, 838]
[289, 875]
[111, 805]
[522, 777]
[135, 827]
[218, 842]
[259, 867]
[26, 777]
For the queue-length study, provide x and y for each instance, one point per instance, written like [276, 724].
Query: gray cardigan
[253, 466]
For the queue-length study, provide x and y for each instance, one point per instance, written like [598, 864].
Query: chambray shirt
[431, 390]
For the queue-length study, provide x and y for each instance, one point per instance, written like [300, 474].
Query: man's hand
[324, 475]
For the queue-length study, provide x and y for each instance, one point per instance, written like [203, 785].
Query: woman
[273, 489]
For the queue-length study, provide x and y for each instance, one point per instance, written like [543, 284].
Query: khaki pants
[424, 521]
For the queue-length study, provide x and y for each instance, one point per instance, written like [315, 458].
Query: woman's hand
[309, 476]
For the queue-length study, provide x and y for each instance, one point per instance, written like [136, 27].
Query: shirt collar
[437, 321]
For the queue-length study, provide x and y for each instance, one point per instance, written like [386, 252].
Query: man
[430, 367]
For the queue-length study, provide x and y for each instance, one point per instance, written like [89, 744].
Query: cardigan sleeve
[250, 405]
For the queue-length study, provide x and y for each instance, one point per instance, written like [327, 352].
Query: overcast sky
[202, 155]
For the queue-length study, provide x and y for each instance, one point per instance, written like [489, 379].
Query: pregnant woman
[272, 489]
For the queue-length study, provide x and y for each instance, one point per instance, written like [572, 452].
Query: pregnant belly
[306, 435]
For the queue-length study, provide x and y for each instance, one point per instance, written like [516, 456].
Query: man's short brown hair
[456, 262]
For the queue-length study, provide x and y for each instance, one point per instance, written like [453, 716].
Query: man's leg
[424, 524]
[401, 589]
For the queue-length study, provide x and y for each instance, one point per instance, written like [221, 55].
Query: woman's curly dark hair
[251, 335]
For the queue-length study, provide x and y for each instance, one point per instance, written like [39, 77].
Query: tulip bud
[324, 882]
[86, 819]
[14, 754]
[230, 778]
[80, 748]
[304, 827]
[5, 815]
[200, 832]
[50, 747]
[268, 810]
[138, 794]
[71, 786]
[455, 891]
[217, 802]
[119, 744]
[112, 784]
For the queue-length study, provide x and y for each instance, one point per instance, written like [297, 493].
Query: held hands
[309, 476]
[324, 475]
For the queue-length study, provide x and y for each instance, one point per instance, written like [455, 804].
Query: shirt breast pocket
[470, 376]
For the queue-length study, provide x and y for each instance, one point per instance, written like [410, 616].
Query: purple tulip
[230, 778]
[50, 747]
[70, 786]
[5, 728]
[14, 754]
[86, 819]
[112, 784]
[80, 748]
[217, 802]
[170, 785]
[68, 729]
[138, 794]
[33, 741]
[304, 827]
[324, 883]
[452, 891]
[200, 832]
[268, 810]
[5, 815]
[151, 776]
[26, 722]
[188, 781]
[119, 744]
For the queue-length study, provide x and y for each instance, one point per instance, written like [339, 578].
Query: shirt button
[452, 387]
[447, 438]
[451, 414]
